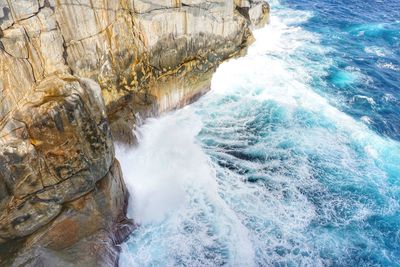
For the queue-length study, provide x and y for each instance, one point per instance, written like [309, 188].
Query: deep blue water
[293, 158]
[365, 41]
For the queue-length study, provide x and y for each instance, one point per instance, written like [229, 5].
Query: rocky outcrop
[73, 76]
[81, 233]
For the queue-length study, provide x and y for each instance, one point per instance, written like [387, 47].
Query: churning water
[293, 158]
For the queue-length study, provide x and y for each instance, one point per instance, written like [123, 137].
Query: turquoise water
[293, 158]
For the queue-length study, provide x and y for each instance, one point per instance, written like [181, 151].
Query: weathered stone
[23, 9]
[6, 19]
[53, 150]
[74, 73]
[72, 239]
[259, 13]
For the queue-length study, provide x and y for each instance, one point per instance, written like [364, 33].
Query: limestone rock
[54, 148]
[72, 239]
[74, 77]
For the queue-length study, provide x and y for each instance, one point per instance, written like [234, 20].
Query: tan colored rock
[6, 19]
[73, 72]
[54, 148]
[72, 239]
[259, 13]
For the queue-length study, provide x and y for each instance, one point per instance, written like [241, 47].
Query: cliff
[73, 76]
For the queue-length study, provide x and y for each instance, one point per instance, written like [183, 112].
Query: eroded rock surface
[73, 77]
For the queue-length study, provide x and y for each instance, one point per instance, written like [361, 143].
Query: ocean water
[293, 157]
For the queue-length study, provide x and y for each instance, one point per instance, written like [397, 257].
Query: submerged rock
[74, 76]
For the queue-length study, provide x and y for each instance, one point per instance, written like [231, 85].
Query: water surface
[293, 158]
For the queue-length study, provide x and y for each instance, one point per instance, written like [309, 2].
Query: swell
[265, 170]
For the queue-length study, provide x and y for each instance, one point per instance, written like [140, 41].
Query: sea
[292, 158]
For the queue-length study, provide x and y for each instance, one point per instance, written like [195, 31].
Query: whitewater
[267, 169]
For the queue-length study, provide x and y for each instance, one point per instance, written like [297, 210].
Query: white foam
[389, 97]
[197, 213]
[273, 70]
[388, 65]
[366, 119]
[172, 183]
[371, 151]
[370, 100]
[158, 170]
[378, 51]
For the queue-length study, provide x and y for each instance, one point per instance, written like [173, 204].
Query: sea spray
[175, 200]
[265, 169]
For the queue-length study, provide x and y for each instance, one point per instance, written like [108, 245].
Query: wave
[264, 170]
[182, 218]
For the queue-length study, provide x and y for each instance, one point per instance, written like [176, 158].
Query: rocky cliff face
[73, 76]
